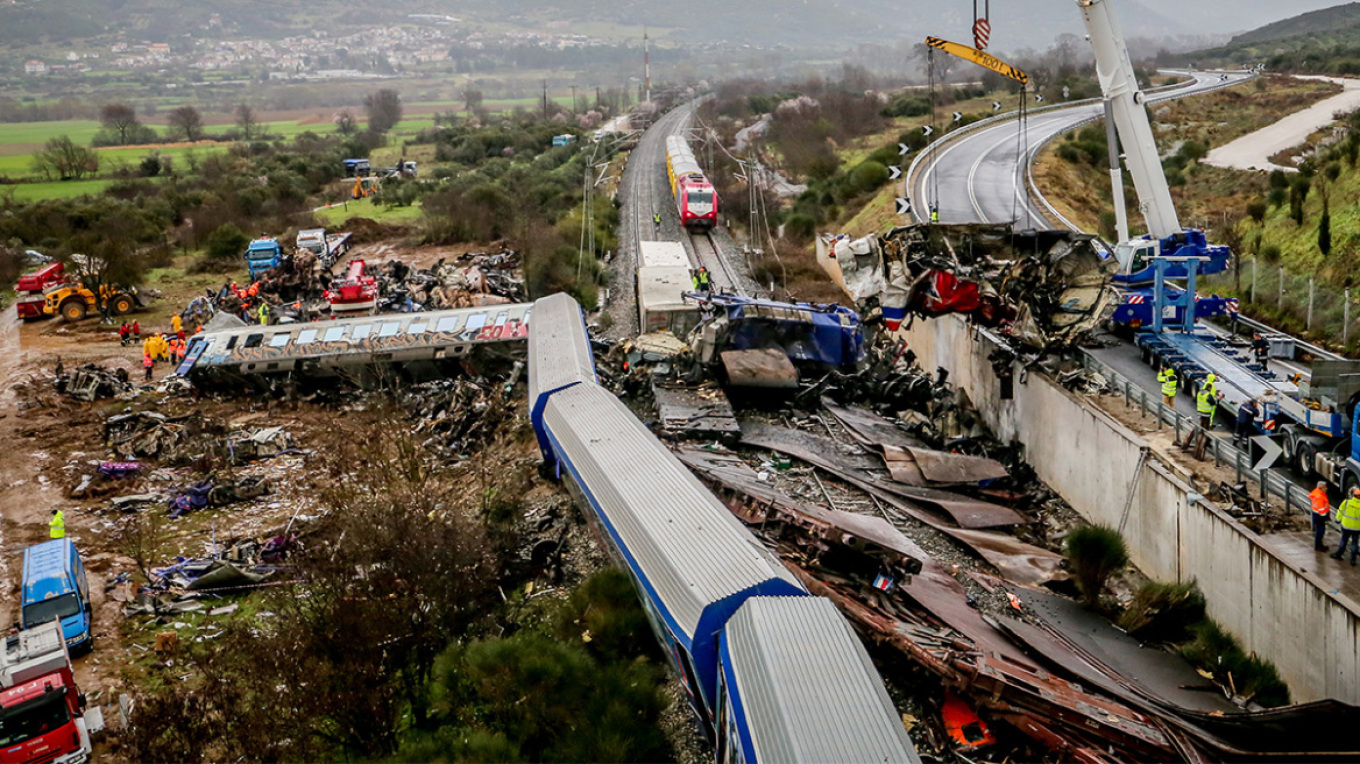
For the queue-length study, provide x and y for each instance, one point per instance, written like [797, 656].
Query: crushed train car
[417, 346]
[1046, 289]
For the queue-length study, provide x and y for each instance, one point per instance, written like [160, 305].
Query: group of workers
[1348, 515]
[701, 280]
[1206, 404]
[161, 346]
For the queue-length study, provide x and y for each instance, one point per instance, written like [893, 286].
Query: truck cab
[262, 255]
[55, 589]
[356, 168]
[43, 718]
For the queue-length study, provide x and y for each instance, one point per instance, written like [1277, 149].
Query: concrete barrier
[1279, 611]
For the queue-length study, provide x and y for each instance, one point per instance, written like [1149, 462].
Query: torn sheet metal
[939, 593]
[846, 463]
[1077, 724]
[1020, 562]
[869, 428]
[1075, 641]
[701, 411]
[1047, 288]
[769, 503]
[759, 368]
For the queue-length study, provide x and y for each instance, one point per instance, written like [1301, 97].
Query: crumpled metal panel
[838, 460]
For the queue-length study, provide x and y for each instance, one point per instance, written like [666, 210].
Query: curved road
[979, 176]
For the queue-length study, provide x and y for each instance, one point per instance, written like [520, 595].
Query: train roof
[358, 339]
[806, 687]
[685, 547]
[559, 347]
[663, 253]
[658, 287]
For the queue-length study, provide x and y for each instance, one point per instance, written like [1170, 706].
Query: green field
[57, 189]
[365, 208]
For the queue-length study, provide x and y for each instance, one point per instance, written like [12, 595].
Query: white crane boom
[1120, 86]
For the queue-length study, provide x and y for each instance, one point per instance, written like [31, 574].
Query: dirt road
[1253, 150]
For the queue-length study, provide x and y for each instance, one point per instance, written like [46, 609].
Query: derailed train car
[772, 675]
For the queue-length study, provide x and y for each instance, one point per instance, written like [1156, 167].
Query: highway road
[979, 176]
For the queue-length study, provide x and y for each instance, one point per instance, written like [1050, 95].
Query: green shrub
[1094, 553]
[1218, 652]
[228, 241]
[1163, 612]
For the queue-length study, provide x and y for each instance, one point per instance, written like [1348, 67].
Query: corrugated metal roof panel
[691, 550]
[807, 686]
[559, 347]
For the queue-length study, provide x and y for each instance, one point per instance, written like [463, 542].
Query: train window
[231, 342]
[306, 336]
[447, 324]
[476, 322]
[361, 332]
[335, 334]
[279, 340]
[697, 197]
[415, 328]
[388, 329]
[254, 340]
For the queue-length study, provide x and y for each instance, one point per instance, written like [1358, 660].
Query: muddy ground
[53, 440]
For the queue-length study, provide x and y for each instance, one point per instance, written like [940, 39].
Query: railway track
[709, 255]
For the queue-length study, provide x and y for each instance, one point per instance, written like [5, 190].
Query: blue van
[55, 588]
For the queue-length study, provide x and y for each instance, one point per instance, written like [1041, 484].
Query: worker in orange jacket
[1322, 512]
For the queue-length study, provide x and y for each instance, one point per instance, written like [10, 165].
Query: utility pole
[646, 66]
[573, 99]
[545, 99]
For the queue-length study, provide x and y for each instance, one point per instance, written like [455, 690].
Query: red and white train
[695, 199]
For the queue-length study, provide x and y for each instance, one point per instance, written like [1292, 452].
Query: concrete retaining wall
[1277, 610]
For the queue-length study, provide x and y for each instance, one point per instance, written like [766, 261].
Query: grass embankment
[336, 215]
[1076, 179]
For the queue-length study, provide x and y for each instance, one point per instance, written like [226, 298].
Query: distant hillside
[1325, 41]
[1318, 23]
[810, 24]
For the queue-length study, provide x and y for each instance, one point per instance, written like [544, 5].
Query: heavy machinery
[1165, 317]
[263, 254]
[328, 248]
[1179, 249]
[356, 291]
[43, 715]
[75, 301]
[33, 288]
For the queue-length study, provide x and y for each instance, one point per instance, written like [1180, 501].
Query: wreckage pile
[1047, 289]
[92, 382]
[457, 416]
[470, 281]
[832, 472]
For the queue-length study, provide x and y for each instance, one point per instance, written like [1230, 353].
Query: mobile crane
[1314, 418]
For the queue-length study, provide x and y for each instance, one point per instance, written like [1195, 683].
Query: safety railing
[1269, 482]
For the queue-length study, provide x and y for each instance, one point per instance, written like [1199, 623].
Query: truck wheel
[73, 310]
[1305, 460]
[121, 305]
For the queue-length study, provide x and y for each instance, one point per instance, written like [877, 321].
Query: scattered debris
[92, 382]
[1048, 289]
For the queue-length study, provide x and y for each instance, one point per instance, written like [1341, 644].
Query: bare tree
[247, 121]
[120, 118]
[188, 121]
[62, 158]
[346, 122]
[384, 109]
